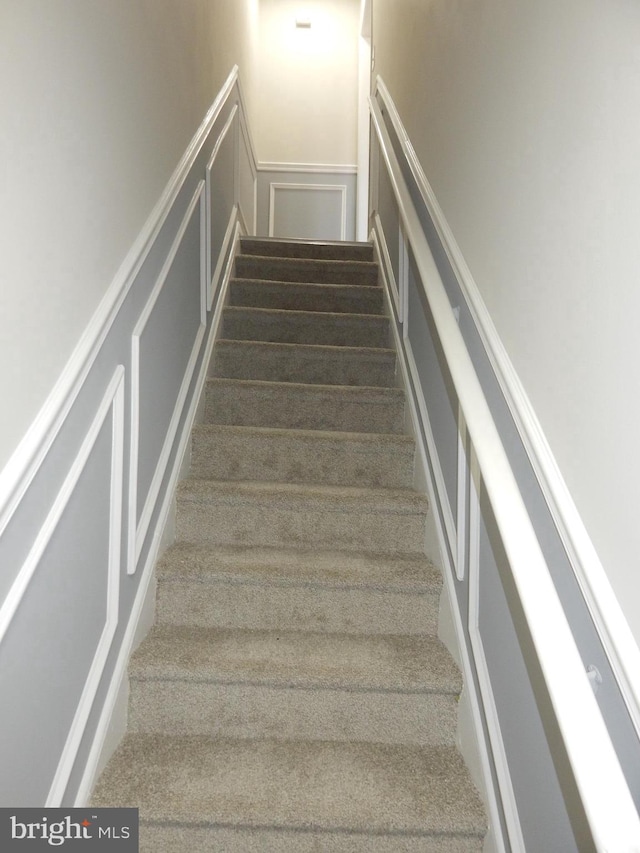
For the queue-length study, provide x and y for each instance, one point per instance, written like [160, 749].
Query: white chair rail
[607, 802]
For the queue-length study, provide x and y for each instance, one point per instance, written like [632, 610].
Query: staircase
[293, 696]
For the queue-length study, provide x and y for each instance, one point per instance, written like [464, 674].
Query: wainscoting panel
[61, 614]
[221, 172]
[85, 499]
[165, 345]
[312, 202]
[247, 179]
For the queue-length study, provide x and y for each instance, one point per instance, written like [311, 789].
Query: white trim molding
[507, 795]
[212, 275]
[112, 403]
[244, 136]
[341, 189]
[138, 529]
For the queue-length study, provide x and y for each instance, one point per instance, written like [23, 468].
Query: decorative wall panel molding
[84, 500]
[314, 211]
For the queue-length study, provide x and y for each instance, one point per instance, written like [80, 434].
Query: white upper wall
[98, 102]
[307, 82]
[525, 117]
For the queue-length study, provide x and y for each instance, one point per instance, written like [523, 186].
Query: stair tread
[278, 454]
[306, 296]
[319, 270]
[398, 500]
[291, 248]
[381, 353]
[335, 569]
[314, 327]
[266, 260]
[376, 662]
[363, 392]
[361, 787]
[320, 286]
[313, 316]
[307, 363]
[303, 405]
[319, 436]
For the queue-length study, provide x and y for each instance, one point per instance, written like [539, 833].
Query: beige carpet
[293, 695]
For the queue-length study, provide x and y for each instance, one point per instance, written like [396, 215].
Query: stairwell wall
[112, 259]
[498, 102]
[522, 117]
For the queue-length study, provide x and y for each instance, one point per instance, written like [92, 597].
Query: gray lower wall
[305, 202]
[505, 678]
[78, 541]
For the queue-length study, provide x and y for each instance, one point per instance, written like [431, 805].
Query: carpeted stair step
[293, 696]
[297, 589]
[160, 838]
[305, 327]
[327, 787]
[275, 247]
[295, 296]
[294, 685]
[314, 365]
[285, 515]
[292, 405]
[230, 452]
[307, 269]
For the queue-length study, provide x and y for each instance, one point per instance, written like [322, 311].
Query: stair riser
[306, 297]
[312, 271]
[168, 839]
[296, 608]
[276, 457]
[248, 711]
[315, 251]
[248, 521]
[287, 363]
[303, 408]
[340, 330]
